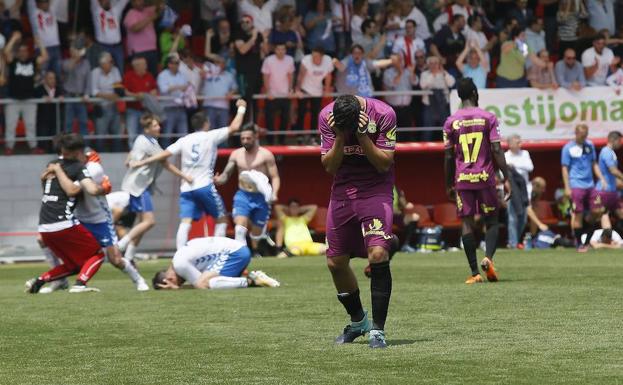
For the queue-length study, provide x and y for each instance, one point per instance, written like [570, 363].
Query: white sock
[220, 230]
[182, 235]
[241, 233]
[129, 252]
[228, 282]
[130, 270]
[123, 242]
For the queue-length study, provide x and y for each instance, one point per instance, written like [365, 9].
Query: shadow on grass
[407, 342]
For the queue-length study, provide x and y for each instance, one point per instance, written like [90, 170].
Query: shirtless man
[251, 203]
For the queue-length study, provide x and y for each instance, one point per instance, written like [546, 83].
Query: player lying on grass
[605, 239]
[212, 263]
[472, 150]
[293, 236]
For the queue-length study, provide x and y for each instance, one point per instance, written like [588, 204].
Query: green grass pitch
[555, 318]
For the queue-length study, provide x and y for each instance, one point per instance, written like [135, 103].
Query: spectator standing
[47, 117]
[543, 78]
[601, 15]
[473, 32]
[460, 7]
[107, 24]
[436, 106]
[371, 41]
[449, 42]
[521, 13]
[22, 70]
[283, 34]
[569, 72]
[77, 84]
[261, 13]
[250, 48]
[568, 17]
[400, 78]
[172, 83]
[318, 23]
[141, 34]
[42, 15]
[9, 17]
[354, 72]
[211, 12]
[278, 72]
[341, 11]
[597, 60]
[360, 13]
[408, 10]
[535, 36]
[219, 44]
[219, 86]
[170, 41]
[477, 66]
[104, 80]
[521, 161]
[514, 52]
[406, 46]
[315, 76]
[137, 82]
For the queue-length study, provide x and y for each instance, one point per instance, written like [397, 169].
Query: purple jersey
[470, 131]
[356, 177]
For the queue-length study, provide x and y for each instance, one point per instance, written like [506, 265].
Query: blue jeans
[54, 60]
[175, 123]
[515, 225]
[116, 50]
[108, 124]
[76, 111]
[133, 124]
[218, 117]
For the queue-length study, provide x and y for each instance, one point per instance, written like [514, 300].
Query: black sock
[590, 229]
[381, 290]
[409, 230]
[491, 236]
[36, 286]
[469, 245]
[578, 236]
[80, 282]
[352, 304]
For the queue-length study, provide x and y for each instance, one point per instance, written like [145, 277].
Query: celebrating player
[579, 162]
[358, 136]
[59, 229]
[199, 151]
[139, 181]
[608, 196]
[472, 145]
[212, 263]
[251, 202]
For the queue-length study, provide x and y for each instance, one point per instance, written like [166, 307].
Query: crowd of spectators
[200, 53]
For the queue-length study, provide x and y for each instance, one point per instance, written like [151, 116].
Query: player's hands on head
[168, 284]
[331, 122]
[362, 124]
[507, 190]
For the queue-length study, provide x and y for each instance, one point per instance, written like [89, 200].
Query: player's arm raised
[382, 160]
[273, 172]
[500, 161]
[236, 122]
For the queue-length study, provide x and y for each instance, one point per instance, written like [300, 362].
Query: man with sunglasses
[569, 72]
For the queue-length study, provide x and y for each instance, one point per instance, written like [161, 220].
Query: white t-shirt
[44, 24]
[201, 255]
[199, 151]
[262, 17]
[139, 179]
[118, 200]
[616, 238]
[400, 47]
[312, 82]
[107, 23]
[522, 162]
[355, 27]
[479, 37]
[421, 30]
[93, 208]
[278, 71]
[588, 60]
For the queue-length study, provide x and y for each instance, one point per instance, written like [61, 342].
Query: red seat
[319, 221]
[422, 211]
[543, 211]
[445, 214]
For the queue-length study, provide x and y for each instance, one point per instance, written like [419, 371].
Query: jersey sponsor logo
[353, 150]
[391, 134]
[49, 198]
[375, 228]
[473, 177]
[487, 209]
[457, 124]
[371, 126]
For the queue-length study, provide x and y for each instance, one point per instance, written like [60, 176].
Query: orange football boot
[474, 279]
[487, 266]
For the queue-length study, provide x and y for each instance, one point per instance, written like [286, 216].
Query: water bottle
[527, 241]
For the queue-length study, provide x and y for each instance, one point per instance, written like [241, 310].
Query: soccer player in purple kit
[472, 145]
[358, 136]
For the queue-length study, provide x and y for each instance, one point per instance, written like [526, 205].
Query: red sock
[90, 267]
[58, 272]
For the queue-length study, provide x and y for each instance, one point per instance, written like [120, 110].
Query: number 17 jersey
[470, 131]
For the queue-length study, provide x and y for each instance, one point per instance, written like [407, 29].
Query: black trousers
[314, 104]
[279, 106]
[404, 118]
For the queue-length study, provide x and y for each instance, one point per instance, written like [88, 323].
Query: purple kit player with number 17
[472, 144]
[358, 137]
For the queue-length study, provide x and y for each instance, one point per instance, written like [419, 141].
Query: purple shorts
[482, 201]
[608, 200]
[355, 225]
[399, 220]
[584, 199]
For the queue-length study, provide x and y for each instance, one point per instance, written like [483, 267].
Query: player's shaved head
[467, 91]
[346, 112]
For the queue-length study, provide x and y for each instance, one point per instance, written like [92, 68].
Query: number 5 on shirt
[467, 140]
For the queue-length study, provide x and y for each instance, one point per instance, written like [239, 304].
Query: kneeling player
[211, 263]
[472, 143]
